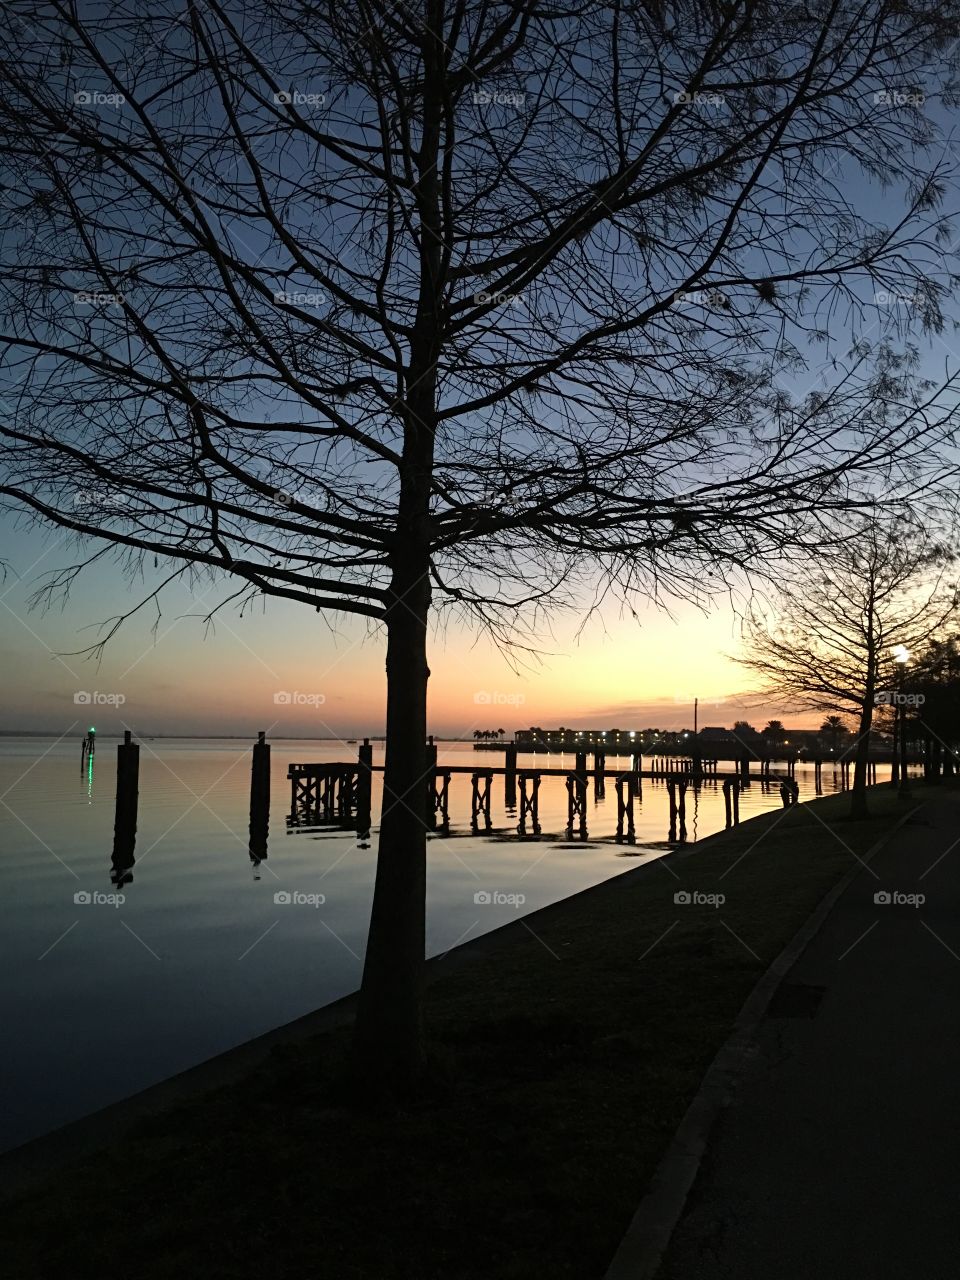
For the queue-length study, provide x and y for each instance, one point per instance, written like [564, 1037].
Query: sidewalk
[840, 1153]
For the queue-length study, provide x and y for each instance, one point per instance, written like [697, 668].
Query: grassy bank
[562, 1062]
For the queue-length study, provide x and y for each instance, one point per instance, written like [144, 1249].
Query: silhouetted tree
[828, 640]
[389, 309]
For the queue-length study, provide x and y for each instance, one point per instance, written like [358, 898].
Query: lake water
[102, 999]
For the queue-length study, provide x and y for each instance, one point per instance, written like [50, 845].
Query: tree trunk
[387, 1045]
[859, 808]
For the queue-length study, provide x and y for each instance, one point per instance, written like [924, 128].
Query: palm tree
[775, 732]
[834, 731]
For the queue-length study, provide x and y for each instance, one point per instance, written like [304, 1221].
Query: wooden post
[259, 799]
[728, 811]
[125, 817]
[510, 776]
[480, 800]
[682, 808]
[364, 789]
[599, 780]
[625, 809]
[672, 793]
[430, 792]
[529, 802]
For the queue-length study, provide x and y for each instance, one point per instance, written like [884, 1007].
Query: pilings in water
[731, 801]
[323, 795]
[480, 800]
[430, 789]
[577, 798]
[844, 775]
[510, 776]
[125, 817]
[789, 792]
[637, 781]
[599, 775]
[677, 792]
[529, 781]
[364, 789]
[626, 830]
[259, 799]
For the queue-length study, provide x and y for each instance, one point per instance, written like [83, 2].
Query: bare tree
[828, 642]
[391, 309]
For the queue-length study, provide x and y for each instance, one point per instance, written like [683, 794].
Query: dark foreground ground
[840, 1154]
[562, 1061]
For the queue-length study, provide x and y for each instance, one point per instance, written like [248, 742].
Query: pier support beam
[510, 776]
[529, 802]
[626, 831]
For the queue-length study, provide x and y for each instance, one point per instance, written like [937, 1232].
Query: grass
[562, 1063]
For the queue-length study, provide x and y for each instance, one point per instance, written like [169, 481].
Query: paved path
[839, 1156]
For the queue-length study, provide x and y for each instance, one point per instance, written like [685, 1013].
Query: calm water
[101, 1000]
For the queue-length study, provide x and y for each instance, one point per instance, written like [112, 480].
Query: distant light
[91, 729]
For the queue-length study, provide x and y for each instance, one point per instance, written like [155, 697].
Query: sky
[294, 672]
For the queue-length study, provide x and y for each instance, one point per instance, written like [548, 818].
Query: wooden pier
[338, 795]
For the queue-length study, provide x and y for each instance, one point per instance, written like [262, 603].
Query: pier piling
[125, 817]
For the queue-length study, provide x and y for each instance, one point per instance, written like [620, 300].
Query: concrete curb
[641, 1250]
